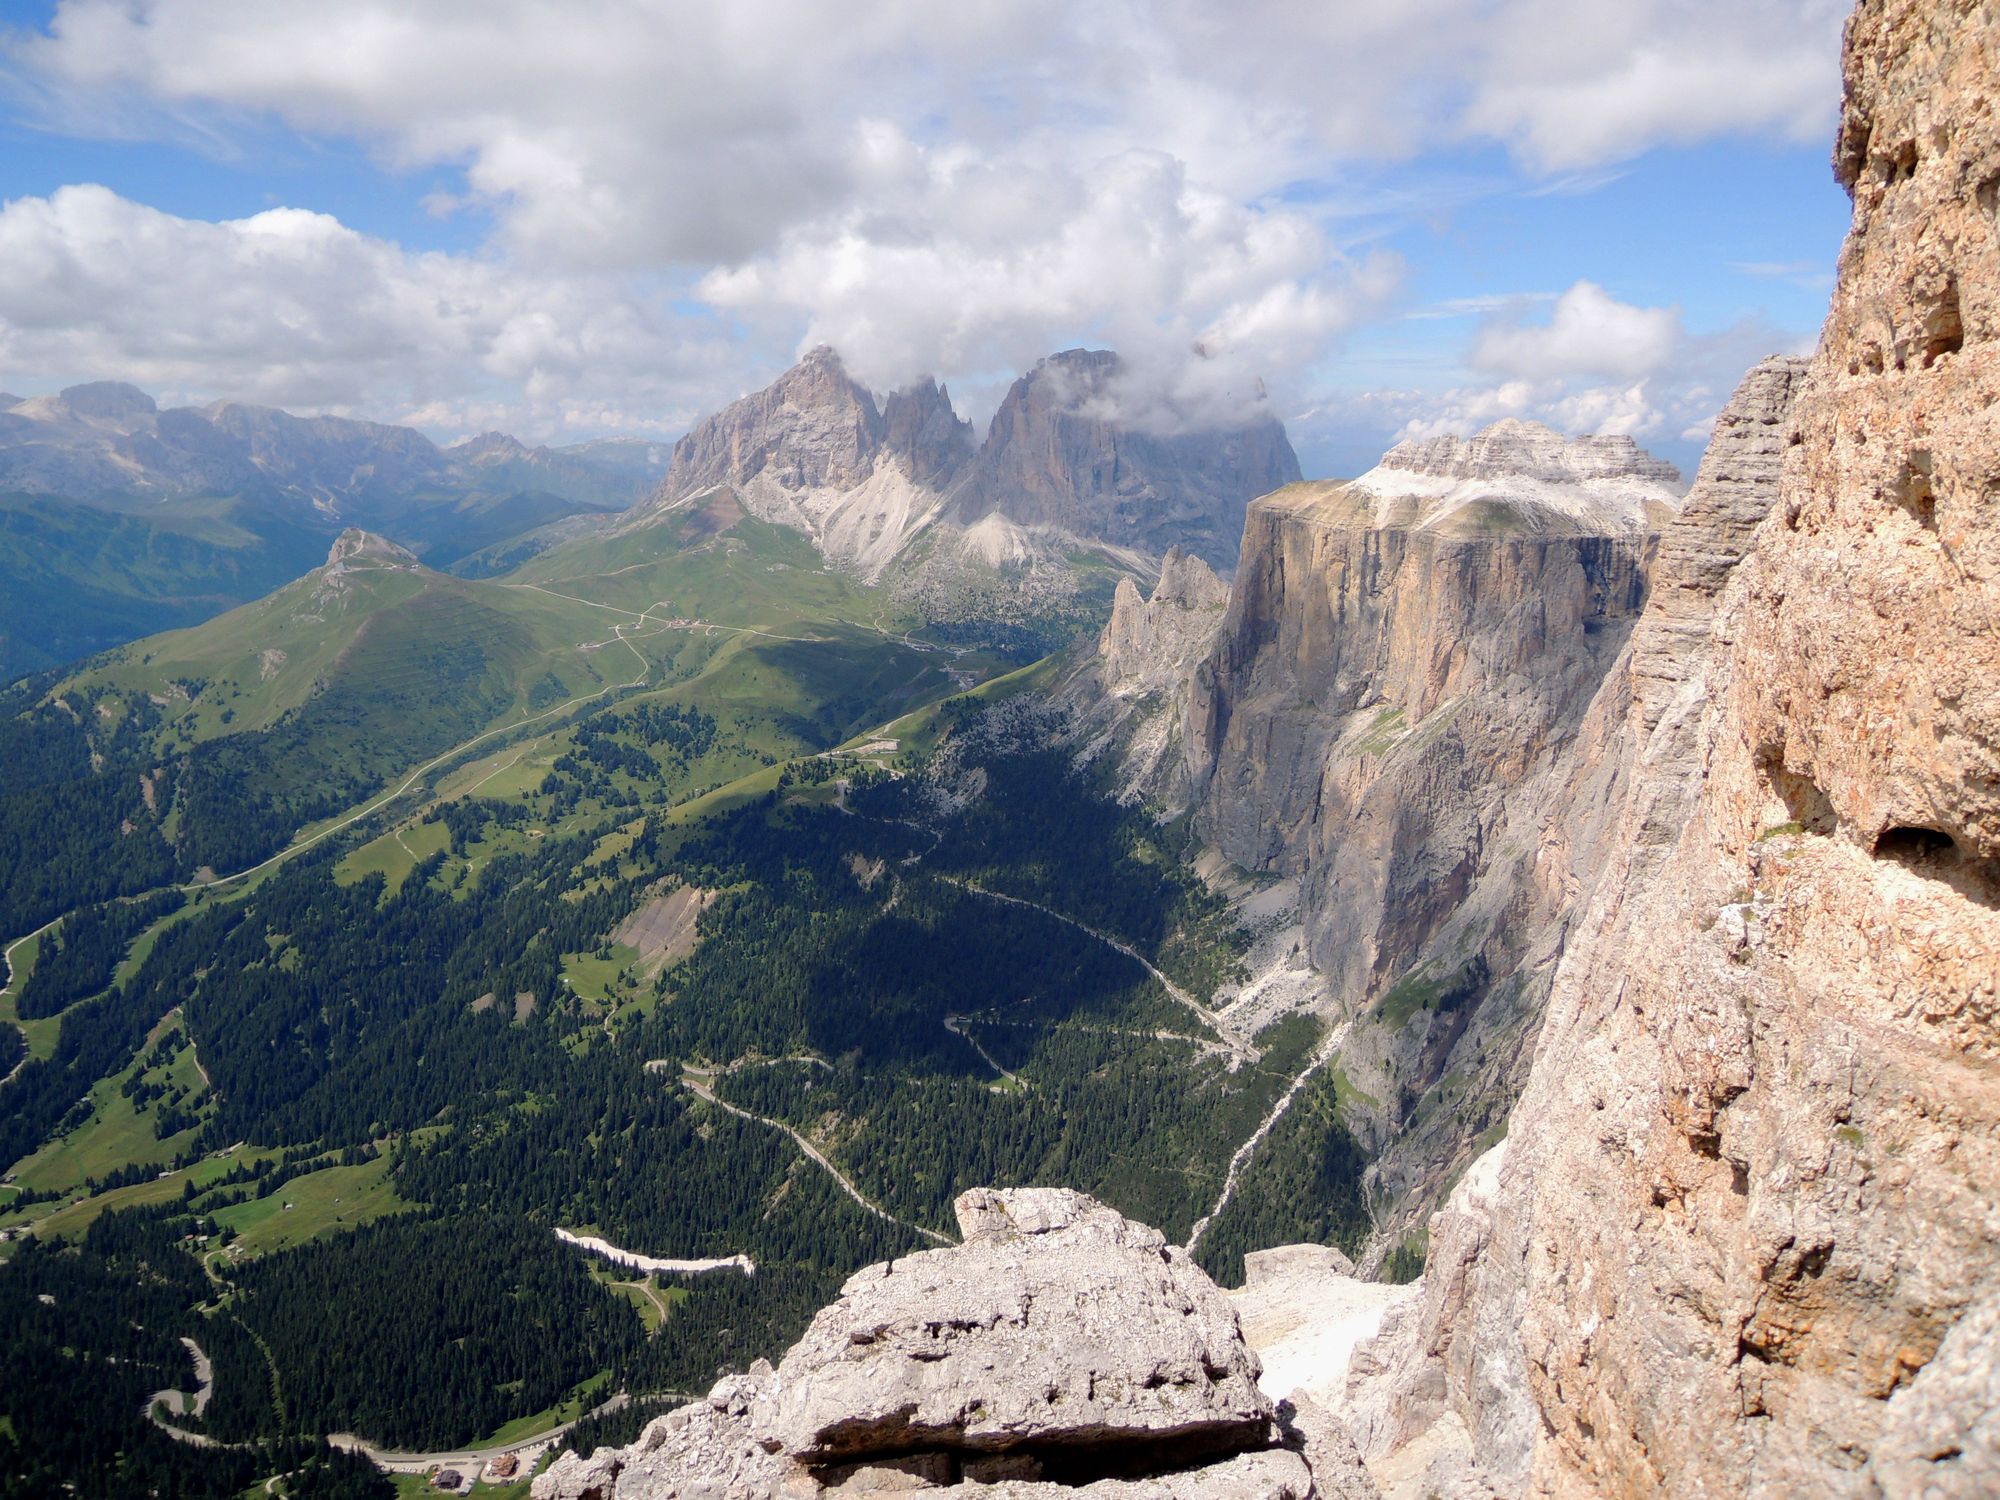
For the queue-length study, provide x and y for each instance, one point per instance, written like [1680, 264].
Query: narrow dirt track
[702, 1090]
[1235, 1043]
[1328, 1050]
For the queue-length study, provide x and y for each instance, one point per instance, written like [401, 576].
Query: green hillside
[77, 579]
[606, 883]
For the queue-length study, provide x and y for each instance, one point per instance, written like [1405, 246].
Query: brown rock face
[1052, 458]
[815, 428]
[1746, 1238]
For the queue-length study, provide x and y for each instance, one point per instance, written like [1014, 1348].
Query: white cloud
[1597, 365]
[944, 189]
[956, 266]
[1588, 332]
[1573, 84]
[295, 309]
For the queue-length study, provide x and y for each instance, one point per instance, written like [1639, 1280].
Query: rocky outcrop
[1057, 458]
[1743, 1240]
[1060, 1350]
[1057, 472]
[1129, 697]
[355, 548]
[1732, 493]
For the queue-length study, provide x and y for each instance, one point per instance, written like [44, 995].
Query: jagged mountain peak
[864, 476]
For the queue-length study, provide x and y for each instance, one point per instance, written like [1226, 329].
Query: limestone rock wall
[1746, 1237]
[1061, 1350]
[1389, 717]
[1129, 697]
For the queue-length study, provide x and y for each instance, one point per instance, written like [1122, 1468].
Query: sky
[1377, 219]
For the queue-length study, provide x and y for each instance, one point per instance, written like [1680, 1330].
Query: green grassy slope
[78, 579]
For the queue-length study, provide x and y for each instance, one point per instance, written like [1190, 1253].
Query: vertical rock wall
[1389, 717]
[1746, 1238]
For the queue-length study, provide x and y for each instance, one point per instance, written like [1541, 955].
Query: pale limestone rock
[1149, 645]
[1060, 1351]
[1304, 1311]
[1057, 1321]
[1747, 1236]
[1522, 478]
[1129, 698]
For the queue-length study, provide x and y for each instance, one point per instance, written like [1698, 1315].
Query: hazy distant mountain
[118, 518]
[110, 442]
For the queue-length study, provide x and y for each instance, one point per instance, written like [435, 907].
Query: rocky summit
[1060, 1350]
[817, 451]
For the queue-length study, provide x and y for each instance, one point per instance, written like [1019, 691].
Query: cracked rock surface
[1061, 1350]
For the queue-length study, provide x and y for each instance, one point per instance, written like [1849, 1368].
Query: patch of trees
[100, 1036]
[367, 1026]
[467, 818]
[63, 818]
[421, 1333]
[76, 959]
[1304, 1185]
[91, 1330]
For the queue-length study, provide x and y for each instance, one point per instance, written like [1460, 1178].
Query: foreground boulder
[1061, 1350]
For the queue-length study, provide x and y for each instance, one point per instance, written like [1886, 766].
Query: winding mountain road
[1238, 1048]
[702, 1090]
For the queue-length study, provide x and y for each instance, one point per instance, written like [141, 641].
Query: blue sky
[1394, 216]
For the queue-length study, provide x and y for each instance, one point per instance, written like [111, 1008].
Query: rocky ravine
[1745, 1237]
[1061, 1350]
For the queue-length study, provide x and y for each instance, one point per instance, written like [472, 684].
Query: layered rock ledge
[1060, 1350]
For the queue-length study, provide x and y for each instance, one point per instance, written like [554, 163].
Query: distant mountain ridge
[816, 451]
[106, 441]
[118, 518]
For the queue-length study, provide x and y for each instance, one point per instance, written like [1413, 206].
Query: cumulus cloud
[934, 189]
[955, 265]
[1588, 333]
[293, 308]
[1596, 365]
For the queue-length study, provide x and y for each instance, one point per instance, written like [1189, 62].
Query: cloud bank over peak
[672, 193]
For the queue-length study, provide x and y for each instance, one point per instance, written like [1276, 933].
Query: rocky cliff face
[1743, 1237]
[1389, 717]
[1061, 1350]
[815, 451]
[1130, 698]
[1055, 458]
